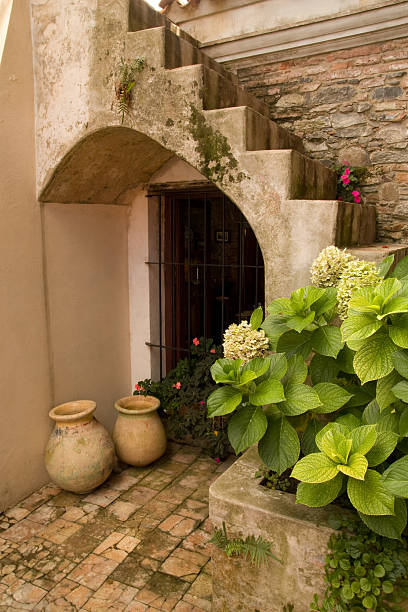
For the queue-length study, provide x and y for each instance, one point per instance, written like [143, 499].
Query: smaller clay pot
[80, 453]
[139, 434]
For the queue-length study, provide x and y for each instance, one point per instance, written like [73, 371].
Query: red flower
[212, 351]
[196, 342]
[137, 387]
[177, 385]
[218, 459]
[385, 246]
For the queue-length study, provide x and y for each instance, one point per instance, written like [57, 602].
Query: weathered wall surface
[86, 253]
[24, 381]
[347, 105]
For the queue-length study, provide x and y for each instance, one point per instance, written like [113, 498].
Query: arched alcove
[102, 224]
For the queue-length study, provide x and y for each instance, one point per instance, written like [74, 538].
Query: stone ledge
[299, 537]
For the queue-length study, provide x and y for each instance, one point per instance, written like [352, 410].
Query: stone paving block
[178, 525]
[186, 457]
[17, 513]
[173, 467]
[193, 509]
[162, 591]
[157, 480]
[79, 545]
[93, 571]
[132, 571]
[46, 514]
[59, 530]
[65, 498]
[67, 594]
[111, 594]
[123, 481]
[128, 543]
[175, 494]
[157, 545]
[184, 564]
[22, 531]
[102, 496]
[136, 606]
[139, 495]
[28, 594]
[198, 541]
[122, 510]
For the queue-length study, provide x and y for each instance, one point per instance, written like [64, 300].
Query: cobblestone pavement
[139, 543]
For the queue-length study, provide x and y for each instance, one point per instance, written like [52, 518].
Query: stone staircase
[188, 105]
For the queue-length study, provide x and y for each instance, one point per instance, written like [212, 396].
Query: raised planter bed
[299, 536]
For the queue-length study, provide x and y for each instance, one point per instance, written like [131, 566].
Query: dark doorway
[211, 270]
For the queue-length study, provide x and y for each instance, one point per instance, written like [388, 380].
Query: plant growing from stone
[349, 181]
[330, 402]
[127, 80]
[257, 550]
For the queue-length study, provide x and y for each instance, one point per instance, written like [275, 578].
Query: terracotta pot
[139, 434]
[80, 453]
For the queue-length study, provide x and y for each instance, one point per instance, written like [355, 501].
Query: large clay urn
[80, 453]
[139, 434]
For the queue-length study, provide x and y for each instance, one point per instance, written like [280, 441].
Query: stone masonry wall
[347, 105]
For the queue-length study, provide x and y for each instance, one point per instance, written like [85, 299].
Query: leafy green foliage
[363, 571]
[257, 550]
[184, 409]
[127, 81]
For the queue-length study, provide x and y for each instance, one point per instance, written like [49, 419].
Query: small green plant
[257, 550]
[273, 481]
[127, 81]
[363, 570]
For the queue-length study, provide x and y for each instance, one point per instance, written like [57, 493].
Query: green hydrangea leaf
[345, 360]
[246, 427]
[257, 366]
[279, 448]
[388, 526]
[369, 496]
[363, 438]
[384, 395]
[401, 269]
[384, 266]
[323, 369]
[277, 366]
[384, 445]
[388, 422]
[318, 495]
[299, 399]
[399, 330]
[331, 396]
[326, 303]
[297, 370]
[400, 360]
[387, 288]
[274, 328]
[400, 390]
[374, 359]
[327, 341]
[226, 370]
[256, 318]
[359, 326]
[292, 343]
[304, 297]
[395, 478]
[223, 401]
[403, 423]
[300, 322]
[397, 304]
[334, 444]
[267, 392]
[315, 468]
[356, 466]
[338, 427]
[308, 439]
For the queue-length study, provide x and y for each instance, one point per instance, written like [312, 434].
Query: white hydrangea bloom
[329, 265]
[243, 342]
[356, 274]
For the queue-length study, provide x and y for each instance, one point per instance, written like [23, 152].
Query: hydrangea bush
[329, 403]
[244, 342]
[329, 265]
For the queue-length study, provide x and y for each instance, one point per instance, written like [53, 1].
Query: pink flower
[177, 385]
[346, 171]
[345, 179]
[137, 387]
[212, 351]
[357, 200]
[142, 389]
[355, 193]
[340, 199]
[202, 403]
[196, 342]
[218, 459]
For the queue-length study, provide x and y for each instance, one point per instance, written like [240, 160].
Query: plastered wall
[25, 390]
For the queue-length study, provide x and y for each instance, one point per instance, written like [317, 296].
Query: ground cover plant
[330, 404]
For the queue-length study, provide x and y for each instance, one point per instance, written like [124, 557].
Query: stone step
[356, 225]
[217, 91]
[248, 130]
[376, 252]
[291, 174]
[162, 47]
